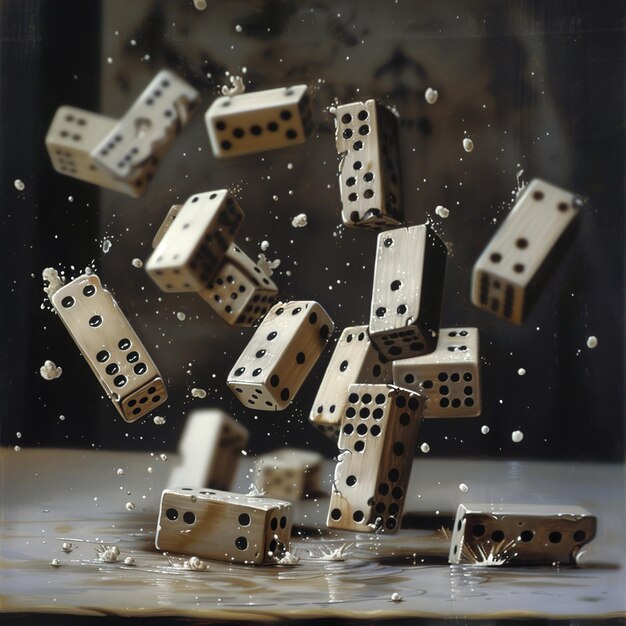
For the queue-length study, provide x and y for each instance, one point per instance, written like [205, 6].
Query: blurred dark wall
[538, 86]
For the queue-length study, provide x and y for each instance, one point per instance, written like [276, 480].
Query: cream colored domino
[289, 474]
[72, 136]
[355, 360]
[210, 449]
[283, 350]
[407, 292]
[241, 293]
[377, 443]
[510, 273]
[223, 526]
[366, 136]
[165, 225]
[448, 378]
[490, 534]
[111, 347]
[259, 121]
[146, 132]
[193, 246]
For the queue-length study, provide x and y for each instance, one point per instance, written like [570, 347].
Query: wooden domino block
[354, 360]
[111, 347]
[259, 121]
[377, 443]
[223, 526]
[289, 474]
[285, 347]
[408, 291]
[146, 132]
[448, 378]
[366, 137]
[510, 274]
[210, 449]
[488, 534]
[194, 244]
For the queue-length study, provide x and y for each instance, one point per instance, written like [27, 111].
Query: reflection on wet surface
[58, 506]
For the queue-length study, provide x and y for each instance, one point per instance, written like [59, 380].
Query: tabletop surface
[51, 496]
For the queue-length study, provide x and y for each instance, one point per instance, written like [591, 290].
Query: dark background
[539, 86]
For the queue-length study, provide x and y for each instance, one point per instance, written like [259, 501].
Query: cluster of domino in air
[383, 378]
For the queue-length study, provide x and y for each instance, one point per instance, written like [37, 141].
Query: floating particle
[236, 89]
[163, 457]
[521, 371]
[431, 95]
[300, 221]
[266, 265]
[53, 280]
[468, 144]
[70, 198]
[19, 184]
[289, 166]
[137, 262]
[17, 448]
[265, 245]
[150, 470]
[49, 371]
[463, 487]
[425, 448]
[55, 563]
[18, 435]
[238, 28]
[159, 420]
[67, 547]
[129, 560]
[130, 506]
[120, 471]
[517, 436]
[62, 418]
[275, 198]
[109, 60]
[442, 212]
[181, 316]
[106, 245]
[592, 342]
[396, 597]
[484, 429]
[198, 393]
[199, 4]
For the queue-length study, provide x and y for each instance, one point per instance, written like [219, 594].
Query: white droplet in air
[55, 563]
[521, 371]
[129, 560]
[300, 221]
[106, 245]
[463, 487]
[396, 597]
[431, 95]
[265, 245]
[158, 420]
[425, 448]
[19, 184]
[181, 316]
[130, 506]
[468, 144]
[62, 418]
[18, 435]
[442, 212]
[238, 28]
[17, 448]
[49, 371]
[484, 429]
[592, 342]
[109, 60]
[150, 470]
[198, 393]
[237, 87]
[67, 547]
[163, 457]
[54, 280]
[199, 4]
[120, 471]
[517, 436]
[137, 262]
